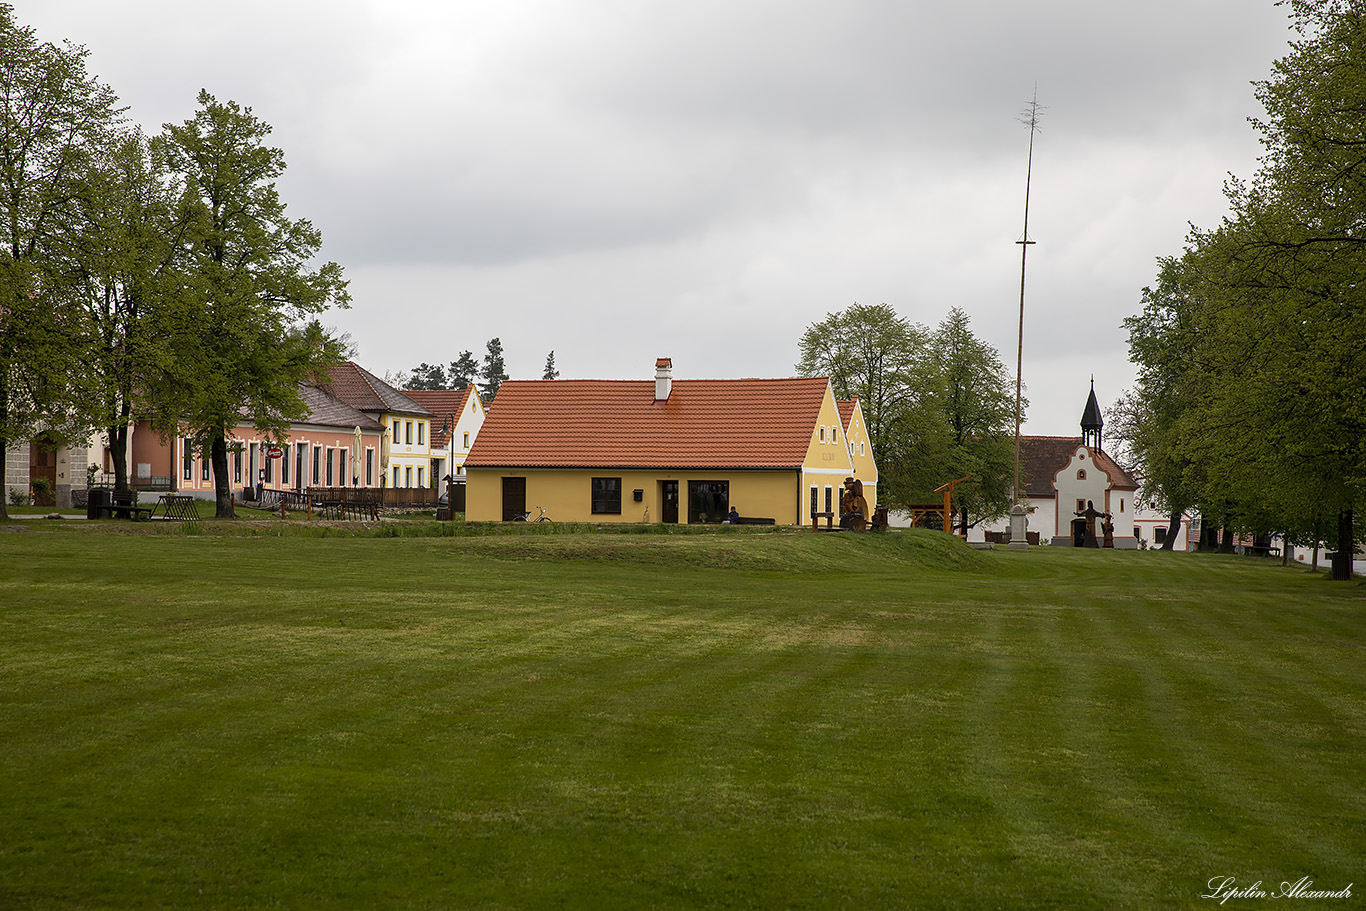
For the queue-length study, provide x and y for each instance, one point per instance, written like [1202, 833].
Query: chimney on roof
[664, 378]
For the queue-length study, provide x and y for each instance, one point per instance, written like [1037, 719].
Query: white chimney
[664, 373]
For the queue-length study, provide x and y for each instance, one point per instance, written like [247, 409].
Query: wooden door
[669, 493]
[514, 498]
[42, 463]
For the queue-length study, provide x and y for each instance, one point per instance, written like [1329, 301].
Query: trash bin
[99, 496]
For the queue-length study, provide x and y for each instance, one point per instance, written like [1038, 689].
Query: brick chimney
[664, 378]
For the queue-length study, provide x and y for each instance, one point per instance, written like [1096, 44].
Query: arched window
[1081, 474]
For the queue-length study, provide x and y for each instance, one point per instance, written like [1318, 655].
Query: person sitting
[733, 518]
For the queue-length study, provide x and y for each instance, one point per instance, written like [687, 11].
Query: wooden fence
[382, 497]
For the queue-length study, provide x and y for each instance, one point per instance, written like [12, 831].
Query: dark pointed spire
[1091, 421]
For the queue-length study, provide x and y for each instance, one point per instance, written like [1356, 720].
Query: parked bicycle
[526, 516]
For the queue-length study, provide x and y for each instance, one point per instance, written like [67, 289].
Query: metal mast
[1030, 117]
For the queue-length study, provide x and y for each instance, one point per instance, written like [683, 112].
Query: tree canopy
[938, 404]
[247, 283]
[492, 372]
[1251, 347]
[54, 120]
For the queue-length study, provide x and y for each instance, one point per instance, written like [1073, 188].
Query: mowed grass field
[563, 718]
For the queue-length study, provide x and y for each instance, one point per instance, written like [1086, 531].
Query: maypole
[1017, 510]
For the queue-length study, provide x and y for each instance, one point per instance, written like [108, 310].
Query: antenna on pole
[1030, 117]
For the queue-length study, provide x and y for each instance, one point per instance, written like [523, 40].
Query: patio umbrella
[355, 457]
[384, 442]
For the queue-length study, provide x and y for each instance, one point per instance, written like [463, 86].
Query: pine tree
[493, 372]
[550, 373]
[463, 371]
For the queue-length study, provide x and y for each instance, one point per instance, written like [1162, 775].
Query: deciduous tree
[871, 352]
[124, 273]
[975, 404]
[54, 118]
[248, 283]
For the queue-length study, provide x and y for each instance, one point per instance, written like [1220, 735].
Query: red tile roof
[441, 402]
[362, 390]
[1041, 458]
[846, 408]
[746, 423]
[327, 411]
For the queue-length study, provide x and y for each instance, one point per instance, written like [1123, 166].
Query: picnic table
[122, 507]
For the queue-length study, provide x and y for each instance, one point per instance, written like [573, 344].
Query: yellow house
[860, 447]
[457, 415]
[665, 451]
[406, 455]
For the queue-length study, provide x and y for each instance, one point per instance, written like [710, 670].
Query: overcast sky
[620, 180]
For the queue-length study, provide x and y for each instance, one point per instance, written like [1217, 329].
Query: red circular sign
[274, 452]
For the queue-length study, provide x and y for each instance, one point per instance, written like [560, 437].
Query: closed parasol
[355, 457]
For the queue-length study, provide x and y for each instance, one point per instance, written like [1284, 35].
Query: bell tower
[1091, 421]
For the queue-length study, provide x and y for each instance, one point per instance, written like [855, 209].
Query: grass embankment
[554, 717]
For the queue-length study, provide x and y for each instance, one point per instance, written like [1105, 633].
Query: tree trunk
[1314, 564]
[4, 444]
[222, 485]
[1226, 540]
[1173, 528]
[4, 492]
[1209, 539]
[1342, 559]
[118, 454]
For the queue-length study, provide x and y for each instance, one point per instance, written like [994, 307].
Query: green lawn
[258, 716]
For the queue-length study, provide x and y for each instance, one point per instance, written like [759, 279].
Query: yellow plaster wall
[567, 494]
[865, 467]
[826, 463]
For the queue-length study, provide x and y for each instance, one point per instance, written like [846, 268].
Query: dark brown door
[1078, 532]
[42, 463]
[669, 491]
[514, 498]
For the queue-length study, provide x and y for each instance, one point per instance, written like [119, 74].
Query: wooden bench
[755, 520]
[829, 518]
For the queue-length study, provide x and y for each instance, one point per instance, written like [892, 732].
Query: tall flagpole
[1031, 117]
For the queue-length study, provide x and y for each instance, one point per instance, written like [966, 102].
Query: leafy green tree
[492, 372]
[974, 401]
[1306, 253]
[54, 118]
[427, 376]
[874, 353]
[463, 371]
[124, 270]
[550, 373]
[1252, 350]
[1147, 422]
[247, 284]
